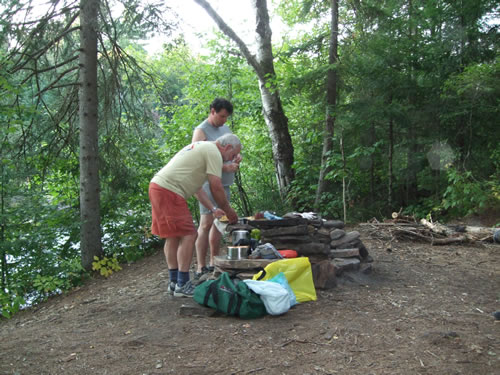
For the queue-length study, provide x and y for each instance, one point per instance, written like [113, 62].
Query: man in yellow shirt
[169, 190]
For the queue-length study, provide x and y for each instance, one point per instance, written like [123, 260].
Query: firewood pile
[408, 228]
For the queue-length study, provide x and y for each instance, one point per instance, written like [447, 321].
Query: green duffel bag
[231, 296]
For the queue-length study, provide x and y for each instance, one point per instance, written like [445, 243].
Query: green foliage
[106, 266]
[10, 303]
[466, 195]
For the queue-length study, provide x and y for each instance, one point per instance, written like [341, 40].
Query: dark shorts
[170, 213]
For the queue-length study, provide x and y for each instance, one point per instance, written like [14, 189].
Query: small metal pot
[237, 252]
[238, 235]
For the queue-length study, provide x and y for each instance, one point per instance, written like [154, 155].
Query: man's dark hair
[220, 103]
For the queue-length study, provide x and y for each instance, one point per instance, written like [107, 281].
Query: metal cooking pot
[237, 252]
[238, 235]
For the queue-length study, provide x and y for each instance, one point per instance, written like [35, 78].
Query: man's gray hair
[229, 139]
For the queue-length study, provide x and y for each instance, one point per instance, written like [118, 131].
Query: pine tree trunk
[90, 230]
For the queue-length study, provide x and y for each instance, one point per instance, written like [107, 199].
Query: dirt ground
[422, 310]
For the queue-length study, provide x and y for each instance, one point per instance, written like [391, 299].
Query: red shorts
[170, 212]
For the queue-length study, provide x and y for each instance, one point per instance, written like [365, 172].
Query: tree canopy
[416, 121]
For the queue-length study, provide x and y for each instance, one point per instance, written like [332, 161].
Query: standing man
[169, 189]
[208, 235]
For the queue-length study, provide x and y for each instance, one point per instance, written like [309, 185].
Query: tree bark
[90, 230]
[390, 155]
[331, 101]
[272, 109]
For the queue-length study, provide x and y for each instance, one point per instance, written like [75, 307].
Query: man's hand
[230, 167]
[232, 216]
[237, 159]
[219, 213]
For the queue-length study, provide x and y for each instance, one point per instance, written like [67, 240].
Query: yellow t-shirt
[186, 172]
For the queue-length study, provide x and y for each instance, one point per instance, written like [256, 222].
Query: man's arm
[198, 135]
[202, 196]
[220, 198]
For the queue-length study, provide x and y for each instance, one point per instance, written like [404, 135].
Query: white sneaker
[171, 288]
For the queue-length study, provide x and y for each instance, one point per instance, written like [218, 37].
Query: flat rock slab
[346, 264]
[333, 224]
[193, 309]
[268, 224]
[336, 234]
[349, 237]
[344, 253]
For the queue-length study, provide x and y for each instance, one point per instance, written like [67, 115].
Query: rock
[336, 234]
[363, 252]
[366, 268]
[330, 224]
[345, 264]
[344, 253]
[349, 237]
[317, 223]
[195, 310]
[322, 238]
[287, 239]
[350, 245]
[496, 236]
[304, 249]
[298, 230]
[323, 232]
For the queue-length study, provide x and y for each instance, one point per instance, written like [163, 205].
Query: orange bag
[288, 253]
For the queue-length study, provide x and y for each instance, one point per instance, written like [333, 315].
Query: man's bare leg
[185, 252]
[170, 251]
[202, 242]
[214, 239]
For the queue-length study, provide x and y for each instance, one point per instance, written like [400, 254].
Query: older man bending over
[169, 190]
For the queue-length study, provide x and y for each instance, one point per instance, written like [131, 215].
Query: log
[464, 233]
[324, 275]
[437, 228]
[397, 216]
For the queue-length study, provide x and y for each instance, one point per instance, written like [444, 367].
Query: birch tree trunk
[331, 100]
[263, 65]
[90, 230]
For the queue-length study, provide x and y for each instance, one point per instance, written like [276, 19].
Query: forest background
[379, 106]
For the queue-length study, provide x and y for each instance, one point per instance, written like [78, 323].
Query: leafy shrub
[10, 303]
[464, 194]
[106, 266]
